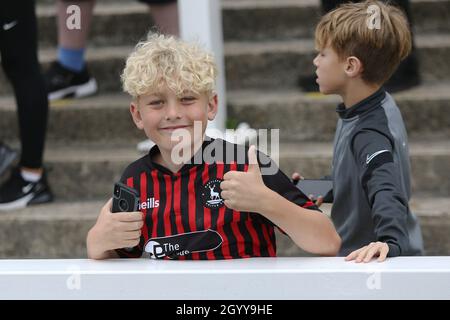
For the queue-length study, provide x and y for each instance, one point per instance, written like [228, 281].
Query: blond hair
[346, 30]
[165, 61]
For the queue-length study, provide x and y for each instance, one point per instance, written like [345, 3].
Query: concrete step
[286, 19]
[278, 64]
[102, 118]
[123, 23]
[55, 230]
[263, 65]
[299, 116]
[87, 172]
[59, 230]
[430, 164]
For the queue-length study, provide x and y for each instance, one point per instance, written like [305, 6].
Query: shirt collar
[363, 106]
[186, 167]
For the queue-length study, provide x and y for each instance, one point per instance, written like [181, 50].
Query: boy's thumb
[253, 165]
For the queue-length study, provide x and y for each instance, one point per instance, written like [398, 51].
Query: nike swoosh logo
[27, 188]
[10, 25]
[373, 155]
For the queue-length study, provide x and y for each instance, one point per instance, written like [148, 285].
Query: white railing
[257, 278]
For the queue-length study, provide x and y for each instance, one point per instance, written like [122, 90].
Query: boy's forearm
[389, 207]
[309, 229]
[94, 251]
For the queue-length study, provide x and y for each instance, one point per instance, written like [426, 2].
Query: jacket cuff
[394, 250]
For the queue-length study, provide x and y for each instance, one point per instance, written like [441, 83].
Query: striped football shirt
[185, 216]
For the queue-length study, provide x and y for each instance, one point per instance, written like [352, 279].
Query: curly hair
[165, 61]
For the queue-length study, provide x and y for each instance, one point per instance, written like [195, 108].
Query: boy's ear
[353, 67]
[212, 107]
[136, 114]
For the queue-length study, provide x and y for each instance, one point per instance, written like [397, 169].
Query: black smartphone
[317, 188]
[125, 199]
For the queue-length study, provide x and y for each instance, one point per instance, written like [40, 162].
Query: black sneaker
[7, 157]
[64, 83]
[17, 193]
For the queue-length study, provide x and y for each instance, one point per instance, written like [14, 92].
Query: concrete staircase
[268, 46]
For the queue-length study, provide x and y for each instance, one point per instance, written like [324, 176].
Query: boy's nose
[316, 61]
[173, 111]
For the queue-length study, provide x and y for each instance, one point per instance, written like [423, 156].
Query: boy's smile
[173, 128]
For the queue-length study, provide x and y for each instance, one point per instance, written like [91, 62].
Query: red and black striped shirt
[185, 216]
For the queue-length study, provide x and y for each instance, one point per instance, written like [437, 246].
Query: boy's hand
[365, 254]
[118, 230]
[243, 191]
[296, 177]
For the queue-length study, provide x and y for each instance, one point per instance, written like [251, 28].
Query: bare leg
[166, 17]
[74, 20]
[76, 38]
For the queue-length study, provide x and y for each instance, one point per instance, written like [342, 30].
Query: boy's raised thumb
[253, 165]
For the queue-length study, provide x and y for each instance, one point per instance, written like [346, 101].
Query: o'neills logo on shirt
[150, 203]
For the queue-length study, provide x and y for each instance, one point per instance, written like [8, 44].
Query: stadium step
[123, 23]
[299, 116]
[430, 164]
[278, 64]
[102, 118]
[273, 65]
[312, 116]
[59, 230]
[287, 19]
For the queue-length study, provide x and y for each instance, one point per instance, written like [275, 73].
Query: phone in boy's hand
[125, 199]
[317, 188]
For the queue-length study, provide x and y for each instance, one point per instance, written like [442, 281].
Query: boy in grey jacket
[360, 45]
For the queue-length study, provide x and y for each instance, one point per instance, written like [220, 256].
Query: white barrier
[257, 278]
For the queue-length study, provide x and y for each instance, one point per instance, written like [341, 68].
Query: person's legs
[68, 76]
[72, 42]
[166, 17]
[19, 60]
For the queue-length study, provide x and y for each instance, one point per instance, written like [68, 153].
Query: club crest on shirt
[211, 194]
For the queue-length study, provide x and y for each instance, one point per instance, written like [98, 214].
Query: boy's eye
[187, 100]
[319, 52]
[156, 103]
